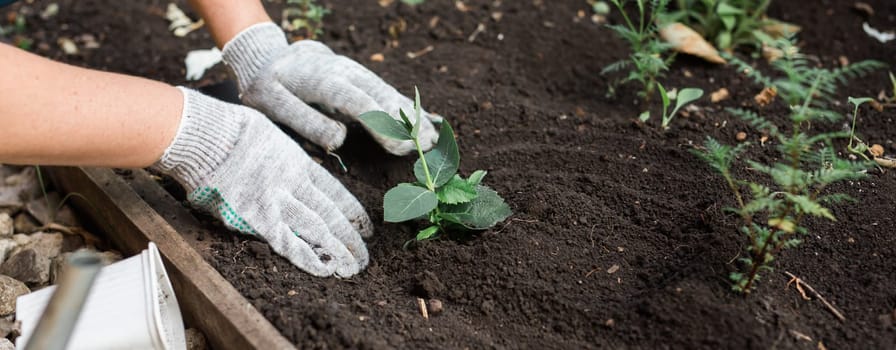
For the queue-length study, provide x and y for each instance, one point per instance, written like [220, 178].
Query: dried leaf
[766, 96]
[685, 40]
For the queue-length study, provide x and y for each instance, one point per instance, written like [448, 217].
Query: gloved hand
[280, 80]
[241, 168]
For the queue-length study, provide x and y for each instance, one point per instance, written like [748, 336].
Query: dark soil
[591, 190]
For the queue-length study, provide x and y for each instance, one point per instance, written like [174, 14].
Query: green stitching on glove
[210, 198]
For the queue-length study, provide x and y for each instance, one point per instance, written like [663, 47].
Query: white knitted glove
[280, 80]
[241, 168]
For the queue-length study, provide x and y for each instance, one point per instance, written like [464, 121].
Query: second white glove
[280, 80]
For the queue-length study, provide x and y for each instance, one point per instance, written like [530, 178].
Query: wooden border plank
[207, 300]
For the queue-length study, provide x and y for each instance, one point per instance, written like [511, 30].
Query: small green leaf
[728, 21]
[382, 123]
[644, 117]
[456, 191]
[417, 108]
[684, 97]
[859, 101]
[427, 233]
[724, 40]
[407, 122]
[486, 210]
[727, 10]
[406, 201]
[476, 177]
[443, 160]
[665, 97]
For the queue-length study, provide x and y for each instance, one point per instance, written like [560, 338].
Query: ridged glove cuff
[209, 130]
[253, 49]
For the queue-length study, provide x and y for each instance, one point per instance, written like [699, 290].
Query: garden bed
[619, 238]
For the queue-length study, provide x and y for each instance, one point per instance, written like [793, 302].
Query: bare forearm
[56, 114]
[226, 18]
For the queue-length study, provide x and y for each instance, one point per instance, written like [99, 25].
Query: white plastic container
[131, 306]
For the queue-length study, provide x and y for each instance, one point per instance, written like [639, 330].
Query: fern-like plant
[772, 213]
[646, 63]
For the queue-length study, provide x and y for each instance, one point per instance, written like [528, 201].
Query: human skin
[58, 114]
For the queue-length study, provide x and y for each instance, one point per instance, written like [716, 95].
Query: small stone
[10, 289]
[68, 46]
[28, 267]
[843, 60]
[741, 136]
[719, 95]
[46, 245]
[7, 225]
[6, 247]
[5, 344]
[24, 223]
[435, 306]
[195, 339]
[37, 207]
[8, 325]
[291, 292]
[377, 57]
[610, 323]
[876, 150]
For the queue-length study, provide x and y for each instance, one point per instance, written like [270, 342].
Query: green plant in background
[727, 23]
[682, 98]
[646, 63]
[806, 164]
[802, 80]
[306, 16]
[17, 31]
[413, 2]
[440, 195]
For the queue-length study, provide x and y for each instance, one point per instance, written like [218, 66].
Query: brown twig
[817, 295]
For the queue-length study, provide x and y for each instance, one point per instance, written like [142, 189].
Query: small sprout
[440, 194]
[681, 98]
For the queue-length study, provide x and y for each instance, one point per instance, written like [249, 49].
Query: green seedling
[306, 16]
[645, 64]
[860, 146]
[682, 98]
[772, 213]
[413, 2]
[440, 194]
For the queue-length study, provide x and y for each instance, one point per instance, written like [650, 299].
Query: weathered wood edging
[206, 299]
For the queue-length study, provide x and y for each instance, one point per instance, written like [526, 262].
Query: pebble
[7, 225]
[6, 247]
[10, 289]
[719, 95]
[23, 223]
[27, 267]
[46, 245]
[741, 136]
[435, 306]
